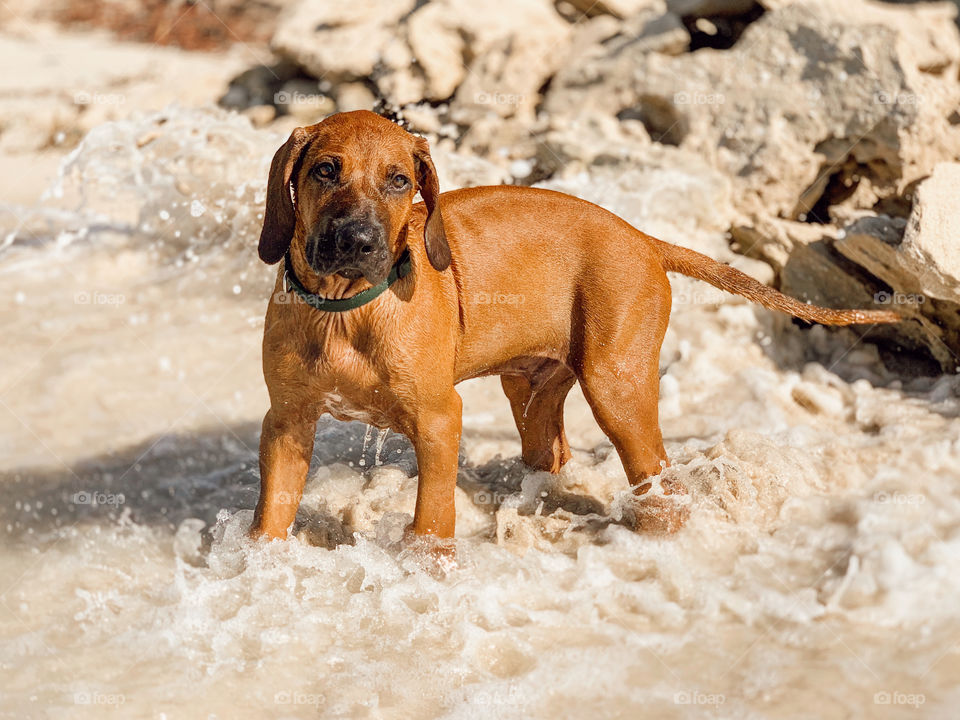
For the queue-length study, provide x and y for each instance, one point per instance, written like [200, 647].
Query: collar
[401, 268]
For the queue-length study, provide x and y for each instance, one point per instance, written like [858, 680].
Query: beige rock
[617, 8]
[815, 98]
[647, 31]
[494, 55]
[338, 41]
[260, 115]
[303, 100]
[422, 118]
[354, 96]
[572, 144]
[457, 170]
[931, 244]
[497, 139]
[514, 47]
[709, 7]
[920, 261]
[439, 48]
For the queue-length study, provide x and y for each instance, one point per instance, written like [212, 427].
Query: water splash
[381, 438]
[367, 435]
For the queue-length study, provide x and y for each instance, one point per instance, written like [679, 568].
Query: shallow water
[817, 575]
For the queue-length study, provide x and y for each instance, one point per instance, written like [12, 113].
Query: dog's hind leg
[536, 399]
[618, 369]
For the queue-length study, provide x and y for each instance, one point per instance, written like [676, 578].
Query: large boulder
[339, 41]
[919, 259]
[494, 56]
[923, 259]
[818, 105]
[502, 51]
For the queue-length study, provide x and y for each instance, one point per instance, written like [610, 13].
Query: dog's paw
[661, 505]
[438, 556]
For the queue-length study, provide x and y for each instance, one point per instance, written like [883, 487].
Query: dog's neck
[329, 287]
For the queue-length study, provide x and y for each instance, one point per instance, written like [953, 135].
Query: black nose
[354, 237]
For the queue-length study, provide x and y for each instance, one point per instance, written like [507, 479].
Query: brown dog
[538, 287]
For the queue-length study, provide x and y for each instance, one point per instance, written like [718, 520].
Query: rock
[439, 50]
[650, 32]
[456, 170]
[259, 85]
[616, 8]
[818, 105]
[302, 99]
[423, 118]
[710, 7]
[574, 143]
[354, 96]
[338, 41]
[499, 140]
[878, 262]
[494, 55]
[260, 115]
[516, 46]
[919, 259]
[668, 189]
[930, 249]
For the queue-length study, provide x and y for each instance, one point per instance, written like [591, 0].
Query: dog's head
[344, 188]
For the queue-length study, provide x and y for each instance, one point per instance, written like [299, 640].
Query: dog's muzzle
[351, 246]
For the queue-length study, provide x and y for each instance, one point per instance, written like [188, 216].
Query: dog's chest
[348, 386]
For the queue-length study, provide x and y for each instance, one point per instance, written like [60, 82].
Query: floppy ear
[279, 216]
[435, 239]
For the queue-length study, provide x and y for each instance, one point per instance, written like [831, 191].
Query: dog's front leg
[286, 446]
[436, 440]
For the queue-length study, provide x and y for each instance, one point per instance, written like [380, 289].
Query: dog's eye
[324, 170]
[399, 182]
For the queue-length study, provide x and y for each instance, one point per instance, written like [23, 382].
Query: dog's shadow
[172, 477]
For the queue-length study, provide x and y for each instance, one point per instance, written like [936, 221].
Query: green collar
[401, 268]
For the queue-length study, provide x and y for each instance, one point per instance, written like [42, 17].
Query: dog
[382, 305]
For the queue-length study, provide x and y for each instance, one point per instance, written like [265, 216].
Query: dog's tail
[699, 266]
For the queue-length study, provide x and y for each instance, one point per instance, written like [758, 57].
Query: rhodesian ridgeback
[381, 306]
